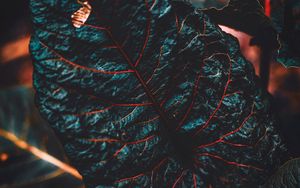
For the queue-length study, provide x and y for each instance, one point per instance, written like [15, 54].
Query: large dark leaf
[151, 94]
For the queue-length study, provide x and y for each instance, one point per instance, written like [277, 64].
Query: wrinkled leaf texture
[151, 94]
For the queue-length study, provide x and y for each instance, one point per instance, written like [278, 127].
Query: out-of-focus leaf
[286, 17]
[247, 16]
[151, 94]
[24, 139]
[287, 176]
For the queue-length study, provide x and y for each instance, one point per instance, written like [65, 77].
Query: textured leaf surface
[151, 94]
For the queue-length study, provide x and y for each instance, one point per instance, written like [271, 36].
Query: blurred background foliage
[31, 156]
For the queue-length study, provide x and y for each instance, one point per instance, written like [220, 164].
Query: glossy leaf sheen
[151, 94]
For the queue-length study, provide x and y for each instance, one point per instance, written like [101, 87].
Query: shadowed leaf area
[151, 94]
